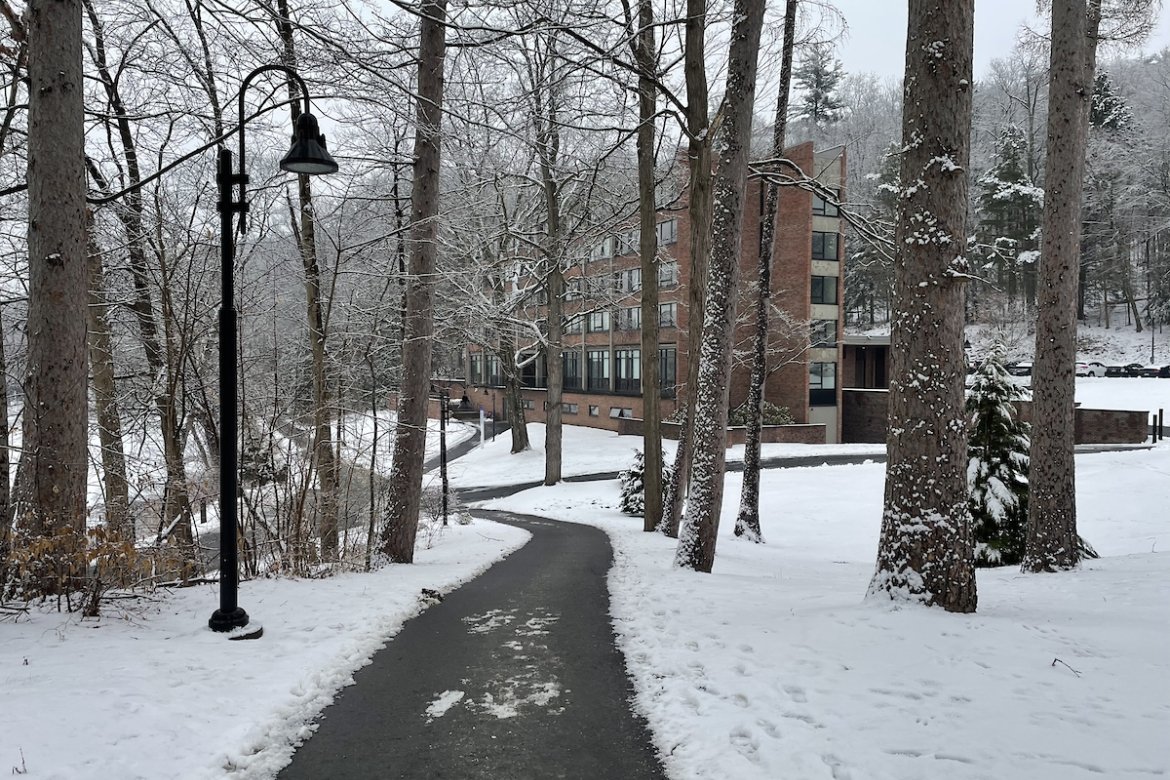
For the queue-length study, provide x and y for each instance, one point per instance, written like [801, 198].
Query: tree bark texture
[404, 490]
[101, 360]
[164, 373]
[1052, 511]
[700, 523]
[747, 521]
[699, 214]
[328, 477]
[548, 152]
[925, 553]
[53, 464]
[645, 55]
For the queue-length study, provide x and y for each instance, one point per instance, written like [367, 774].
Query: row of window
[629, 318]
[594, 410]
[628, 242]
[591, 370]
[621, 282]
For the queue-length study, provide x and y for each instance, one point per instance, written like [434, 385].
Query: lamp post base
[228, 621]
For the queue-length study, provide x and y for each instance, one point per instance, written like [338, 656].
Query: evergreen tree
[1009, 207]
[1109, 110]
[633, 500]
[818, 77]
[997, 469]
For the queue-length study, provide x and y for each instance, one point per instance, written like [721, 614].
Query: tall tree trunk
[101, 359]
[1052, 509]
[404, 490]
[747, 522]
[646, 56]
[700, 523]
[328, 477]
[175, 521]
[699, 215]
[5, 464]
[548, 152]
[926, 548]
[53, 463]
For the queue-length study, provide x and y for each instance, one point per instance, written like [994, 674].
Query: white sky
[876, 39]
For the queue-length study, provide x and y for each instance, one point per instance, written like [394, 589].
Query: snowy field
[772, 667]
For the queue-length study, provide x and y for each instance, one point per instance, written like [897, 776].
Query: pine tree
[997, 471]
[818, 77]
[1009, 208]
[1109, 110]
[633, 487]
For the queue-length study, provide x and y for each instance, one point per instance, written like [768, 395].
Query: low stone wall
[864, 412]
[770, 434]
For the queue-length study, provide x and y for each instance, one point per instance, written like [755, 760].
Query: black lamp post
[308, 155]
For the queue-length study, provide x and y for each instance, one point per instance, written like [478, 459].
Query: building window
[630, 318]
[571, 360]
[628, 242]
[822, 384]
[627, 370]
[528, 372]
[667, 369]
[569, 408]
[574, 324]
[824, 245]
[594, 411]
[597, 369]
[824, 333]
[824, 289]
[597, 322]
[493, 371]
[667, 315]
[528, 403]
[574, 288]
[602, 250]
[627, 281]
[621, 411]
[667, 232]
[824, 208]
[668, 275]
[476, 368]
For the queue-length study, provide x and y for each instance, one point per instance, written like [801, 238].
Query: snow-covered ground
[771, 667]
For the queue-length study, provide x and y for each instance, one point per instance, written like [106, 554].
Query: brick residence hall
[602, 339]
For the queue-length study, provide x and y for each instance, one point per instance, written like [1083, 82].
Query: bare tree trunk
[700, 524]
[548, 152]
[926, 548]
[101, 359]
[699, 213]
[5, 465]
[1052, 510]
[323, 457]
[646, 57]
[53, 462]
[164, 375]
[404, 491]
[747, 522]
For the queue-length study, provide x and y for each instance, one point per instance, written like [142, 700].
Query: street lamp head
[308, 154]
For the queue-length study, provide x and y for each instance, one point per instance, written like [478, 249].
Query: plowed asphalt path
[513, 676]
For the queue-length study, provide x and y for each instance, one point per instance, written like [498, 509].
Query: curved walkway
[514, 675]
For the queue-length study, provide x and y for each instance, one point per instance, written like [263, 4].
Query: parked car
[1156, 371]
[1114, 370]
[1022, 368]
[1096, 368]
[1132, 369]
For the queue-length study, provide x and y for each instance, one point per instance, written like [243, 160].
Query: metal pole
[444, 400]
[493, 415]
[229, 615]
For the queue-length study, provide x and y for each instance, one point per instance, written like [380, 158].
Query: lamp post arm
[288, 71]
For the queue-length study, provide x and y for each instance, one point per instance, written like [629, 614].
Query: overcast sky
[876, 39]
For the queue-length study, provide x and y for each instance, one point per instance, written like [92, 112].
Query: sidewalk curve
[513, 676]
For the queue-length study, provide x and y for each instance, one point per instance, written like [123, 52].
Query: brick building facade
[602, 339]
